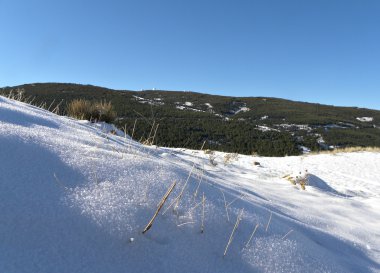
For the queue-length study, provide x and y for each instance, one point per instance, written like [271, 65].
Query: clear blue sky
[325, 51]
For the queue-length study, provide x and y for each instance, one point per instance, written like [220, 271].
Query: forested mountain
[266, 126]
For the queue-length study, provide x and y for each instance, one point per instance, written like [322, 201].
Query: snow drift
[74, 198]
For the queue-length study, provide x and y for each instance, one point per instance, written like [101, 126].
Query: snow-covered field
[74, 198]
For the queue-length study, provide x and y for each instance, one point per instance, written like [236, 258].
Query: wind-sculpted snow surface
[75, 198]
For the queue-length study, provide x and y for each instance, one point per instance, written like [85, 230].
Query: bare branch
[149, 225]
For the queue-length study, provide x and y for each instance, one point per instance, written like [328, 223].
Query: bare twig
[117, 151]
[196, 205]
[200, 181]
[59, 182]
[42, 105]
[183, 188]
[203, 212]
[286, 235]
[171, 204]
[51, 104]
[225, 205]
[238, 219]
[253, 233]
[125, 131]
[186, 223]
[154, 136]
[149, 225]
[204, 142]
[151, 130]
[31, 101]
[270, 218]
[178, 198]
[56, 108]
[133, 131]
[237, 198]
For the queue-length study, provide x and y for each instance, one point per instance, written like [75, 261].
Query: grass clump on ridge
[92, 111]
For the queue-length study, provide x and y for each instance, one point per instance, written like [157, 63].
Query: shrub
[105, 111]
[81, 109]
[98, 111]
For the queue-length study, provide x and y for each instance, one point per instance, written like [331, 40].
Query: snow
[208, 105]
[264, 128]
[187, 103]
[365, 119]
[337, 126]
[294, 126]
[75, 198]
[305, 150]
[138, 98]
[104, 127]
[242, 109]
[181, 107]
[155, 101]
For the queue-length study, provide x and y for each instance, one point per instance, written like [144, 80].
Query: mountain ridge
[264, 125]
[188, 91]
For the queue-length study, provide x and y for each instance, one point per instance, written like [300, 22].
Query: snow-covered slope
[74, 198]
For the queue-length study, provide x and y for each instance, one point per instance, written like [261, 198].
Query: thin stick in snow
[31, 101]
[196, 205]
[171, 204]
[233, 231]
[200, 181]
[204, 142]
[133, 131]
[59, 182]
[51, 104]
[186, 223]
[270, 218]
[286, 235]
[237, 198]
[150, 133]
[178, 198]
[154, 136]
[203, 212]
[203, 171]
[56, 109]
[125, 131]
[183, 188]
[225, 205]
[42, 105]
[253, 233]
[117, 151]
[149, 225]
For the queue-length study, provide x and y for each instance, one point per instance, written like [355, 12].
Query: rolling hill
[247, 125]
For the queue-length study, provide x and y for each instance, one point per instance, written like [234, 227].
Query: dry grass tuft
[229, 158]
[105, 110]
[93, 111]
[207, 151]
[81, 109]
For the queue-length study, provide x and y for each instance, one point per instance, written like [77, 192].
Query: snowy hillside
[75, 198]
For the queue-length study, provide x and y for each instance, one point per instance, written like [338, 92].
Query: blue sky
[325, 51]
